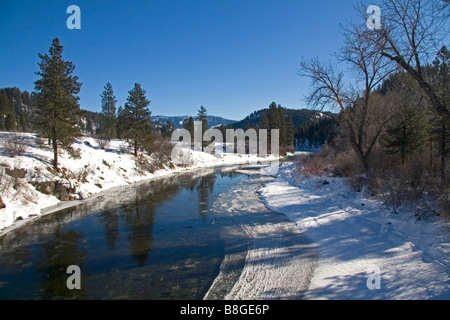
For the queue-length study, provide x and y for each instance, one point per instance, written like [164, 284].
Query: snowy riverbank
[356, 237]
[266, 256]
[96, 171]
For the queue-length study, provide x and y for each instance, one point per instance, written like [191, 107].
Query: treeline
[302, 129]
[58, 117]
[394, 115]
[15, 110]
[314, 134]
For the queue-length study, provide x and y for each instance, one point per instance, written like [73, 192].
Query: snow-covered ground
[96, 171]
[354, 236]
[365, 250]
[266, 256]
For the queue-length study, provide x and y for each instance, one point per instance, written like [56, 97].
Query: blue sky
[231, 56]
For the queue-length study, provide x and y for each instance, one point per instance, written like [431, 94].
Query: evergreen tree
[202, 116]
[120, 125]
[188, 124]
[264, 121]
[109, 111]
[57, 101]
[405, 135]
[440, 81]
[10, 122]
[290, 132]
[167, 129]
[137, 118]
[273, 116]
[276, 119]
[281, 125]
[5, 109]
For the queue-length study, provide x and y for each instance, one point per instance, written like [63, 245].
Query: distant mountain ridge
[178, 120]
[299, 117]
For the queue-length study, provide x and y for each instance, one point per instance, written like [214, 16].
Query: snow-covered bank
[266, 257]
[97, 170]
[357, 237]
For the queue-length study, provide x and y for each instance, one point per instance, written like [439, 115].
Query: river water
[156, 240]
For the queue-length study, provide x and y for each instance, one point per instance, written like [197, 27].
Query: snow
[103, 170]
[330, 246]
[266, 255]
[357, 237]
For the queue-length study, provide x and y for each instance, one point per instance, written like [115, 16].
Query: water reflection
[54, 258]
[150, 241]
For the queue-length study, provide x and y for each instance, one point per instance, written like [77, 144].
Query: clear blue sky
[231, 56]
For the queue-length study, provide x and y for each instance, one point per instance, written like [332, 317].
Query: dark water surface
[156, 240]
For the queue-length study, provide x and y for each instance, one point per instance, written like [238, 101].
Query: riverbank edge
[160, 174]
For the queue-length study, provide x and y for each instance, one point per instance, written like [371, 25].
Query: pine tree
[264, 121]
[137, 118]
[58, 109]
[277, 120]
[273, 116]
[5, 109]
[10, 122]
[281, 125]
[109, 111]
[188, 124]
[167, 129]
[120, 125]
[290, 132]
[440, 80]
[264, 124]
[202, 116]
[405, 135]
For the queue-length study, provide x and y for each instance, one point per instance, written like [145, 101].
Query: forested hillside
[16, 109]
[308, 129]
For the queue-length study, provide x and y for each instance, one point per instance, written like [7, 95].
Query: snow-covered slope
[365, 250]
[97, 170]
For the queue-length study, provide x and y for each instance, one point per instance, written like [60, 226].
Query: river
[178, 237]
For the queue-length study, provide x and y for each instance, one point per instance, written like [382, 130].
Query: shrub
[160, 149]
[443, 197]
[41, 142]
[346, 164]
[102, 141]
[14, 145]
[404, 185]
[312, 165]
[315, 166]
[124, 147]
[357, 182]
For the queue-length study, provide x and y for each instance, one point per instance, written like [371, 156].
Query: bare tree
[411, 34]
[363, 116]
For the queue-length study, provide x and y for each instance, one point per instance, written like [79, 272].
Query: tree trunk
[442, 151]
[55, 152]
[431, 154]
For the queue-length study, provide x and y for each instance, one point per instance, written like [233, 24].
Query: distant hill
[299, 117]
[16, 108]
[178, 120]
[312, 127]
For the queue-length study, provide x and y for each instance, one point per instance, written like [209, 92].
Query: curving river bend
[198, 235]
